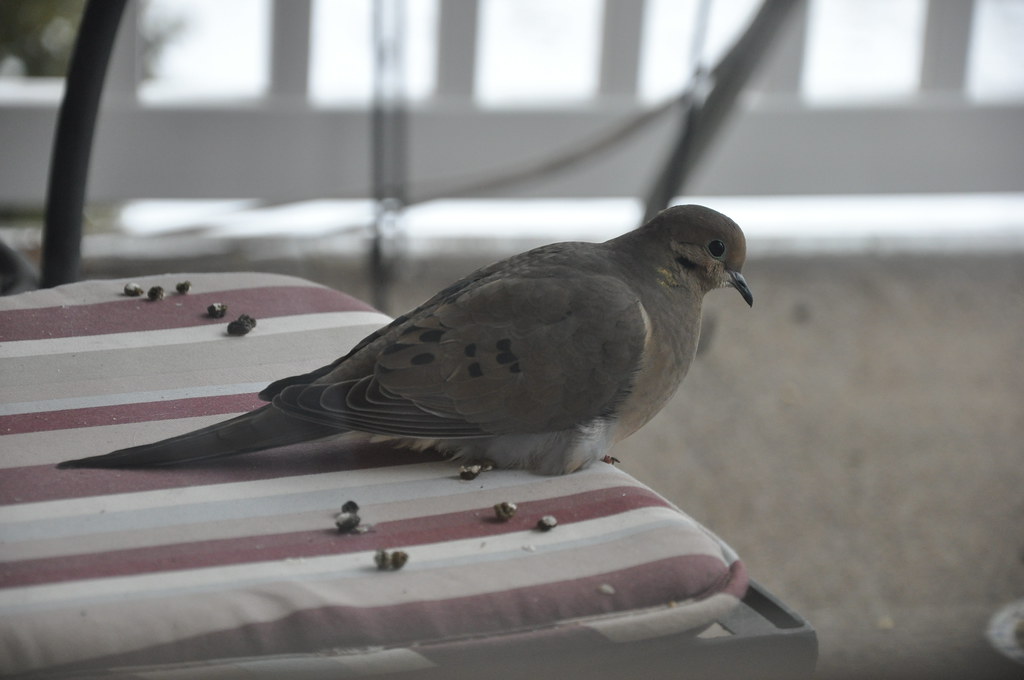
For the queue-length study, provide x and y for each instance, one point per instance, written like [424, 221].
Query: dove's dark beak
[739, 283]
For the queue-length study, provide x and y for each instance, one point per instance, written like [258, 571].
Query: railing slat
[289, 48]
[456, 59]
[783, 70]
[620, 52]
[124, 72]
[947, 40]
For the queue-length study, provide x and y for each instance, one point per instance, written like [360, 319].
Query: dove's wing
[507, 355]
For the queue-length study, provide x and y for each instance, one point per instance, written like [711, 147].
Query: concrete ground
[857, 436]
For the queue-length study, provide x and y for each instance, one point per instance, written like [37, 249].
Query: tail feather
[264, 428]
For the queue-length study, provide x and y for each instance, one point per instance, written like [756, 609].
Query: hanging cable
[389, 129]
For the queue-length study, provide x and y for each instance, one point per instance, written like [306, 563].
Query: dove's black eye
[716, 248]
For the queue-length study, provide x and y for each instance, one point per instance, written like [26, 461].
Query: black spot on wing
[505, 355]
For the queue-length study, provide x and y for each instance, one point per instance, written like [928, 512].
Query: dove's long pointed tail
[263, 428]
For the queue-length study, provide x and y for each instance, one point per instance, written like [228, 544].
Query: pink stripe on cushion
[261, 548]
[37, 483]
[95, 416]
[174, 311]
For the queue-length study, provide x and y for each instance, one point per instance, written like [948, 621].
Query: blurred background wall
[216, 108]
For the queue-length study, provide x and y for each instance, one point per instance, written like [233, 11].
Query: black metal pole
[72, 145]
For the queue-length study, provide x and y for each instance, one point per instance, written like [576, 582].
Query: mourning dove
[541, 361]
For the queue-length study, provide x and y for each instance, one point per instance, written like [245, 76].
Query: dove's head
[703, 244]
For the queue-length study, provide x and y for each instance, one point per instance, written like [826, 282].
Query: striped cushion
[236, 563]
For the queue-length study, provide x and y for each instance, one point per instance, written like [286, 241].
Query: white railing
[282, 147]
